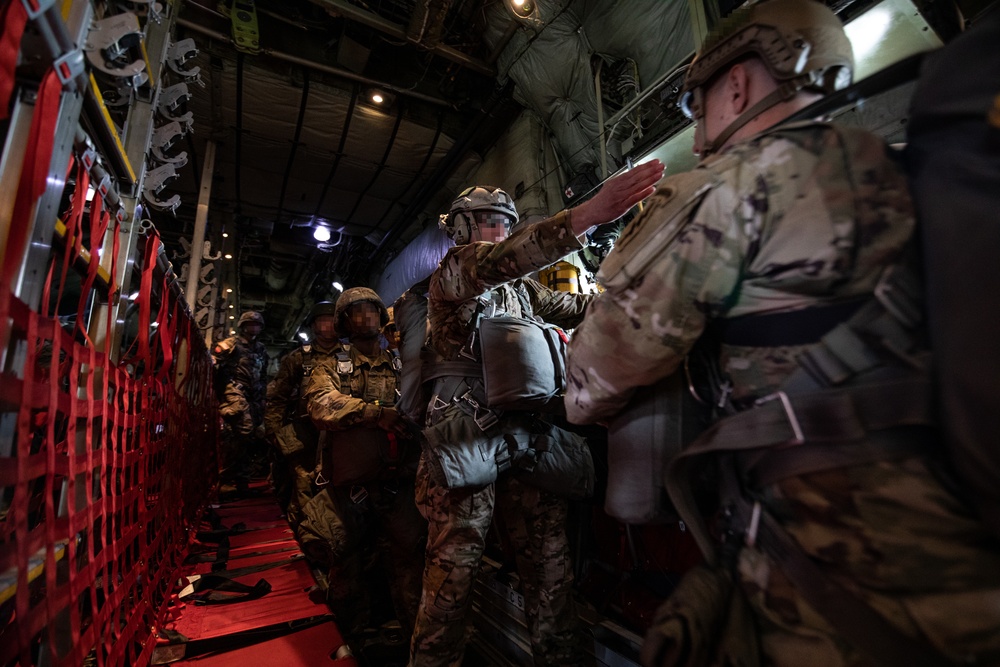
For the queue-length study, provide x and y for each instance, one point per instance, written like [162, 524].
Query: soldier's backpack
[953, 158]
[410, 313]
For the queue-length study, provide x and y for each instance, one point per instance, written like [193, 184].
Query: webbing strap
[13, 16]
[833, 416]
[34, 172]
[433, 370]
[186, 649]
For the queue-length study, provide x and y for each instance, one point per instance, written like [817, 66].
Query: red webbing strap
[34, 172]
[14, 17]
[73, 219]
[166, 329]
[99, 219]
[144, 300]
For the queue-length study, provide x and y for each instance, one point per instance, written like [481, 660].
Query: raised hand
[617, 196]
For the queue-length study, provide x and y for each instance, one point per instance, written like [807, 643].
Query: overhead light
[232, 331]
[133, 296]
[228, 256]
[225, 235]
[229, 290]
[337, 286]
[232, 317]
[522, 9]
[303, 335]
[321, 234]
[232, 305]
[377, 98]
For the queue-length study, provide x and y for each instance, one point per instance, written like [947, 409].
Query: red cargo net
[103, 466]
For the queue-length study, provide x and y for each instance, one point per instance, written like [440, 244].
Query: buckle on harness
[789, 412]
[484, 417]
[899, 292]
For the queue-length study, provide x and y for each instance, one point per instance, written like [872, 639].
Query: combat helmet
[322, 308]
[459, 222]
[250, 316]
[801, 42]
[357, 295]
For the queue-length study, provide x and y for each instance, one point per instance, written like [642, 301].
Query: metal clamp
[359, 494]
[114, 45]
[69, 66]
[789, 412]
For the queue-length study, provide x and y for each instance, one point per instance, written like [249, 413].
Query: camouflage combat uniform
[377, 521]
[458, 519]
[288, 427]
[795, 217]
[240, 374]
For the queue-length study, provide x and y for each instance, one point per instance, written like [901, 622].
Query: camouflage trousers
[457, 523]
[896, 538]
[299, 466]
[374, 530]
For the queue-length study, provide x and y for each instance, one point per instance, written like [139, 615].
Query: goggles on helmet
[692, 104]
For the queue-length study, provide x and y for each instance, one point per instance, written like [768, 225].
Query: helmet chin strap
[785, 91]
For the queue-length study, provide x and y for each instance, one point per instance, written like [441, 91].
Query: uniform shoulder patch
[663, 217]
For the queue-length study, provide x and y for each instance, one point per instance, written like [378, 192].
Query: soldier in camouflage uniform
[844, 541]
[487, 263]
[241, 384]
[286, 421]
[351, 395]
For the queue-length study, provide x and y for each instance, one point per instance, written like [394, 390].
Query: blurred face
[325, 328]
[251, 329]
[365, 319]
[391, 335]
[493, 226]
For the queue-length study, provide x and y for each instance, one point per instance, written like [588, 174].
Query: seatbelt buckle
[798, 438]
[359, 494]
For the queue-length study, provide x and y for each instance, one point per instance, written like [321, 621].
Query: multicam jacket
[373, 381]
[801, 215]
[470, 271]
[241, 368]
[285, 391]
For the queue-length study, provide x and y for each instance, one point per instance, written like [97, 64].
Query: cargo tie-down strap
[108, 464]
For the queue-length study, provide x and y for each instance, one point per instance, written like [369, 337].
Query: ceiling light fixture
[377, 98]
[303, 335]
[522, 9]
[229, 290]
[228, 256]
[321, 234]
[337, 286]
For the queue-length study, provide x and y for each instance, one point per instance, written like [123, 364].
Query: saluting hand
[617, 196]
